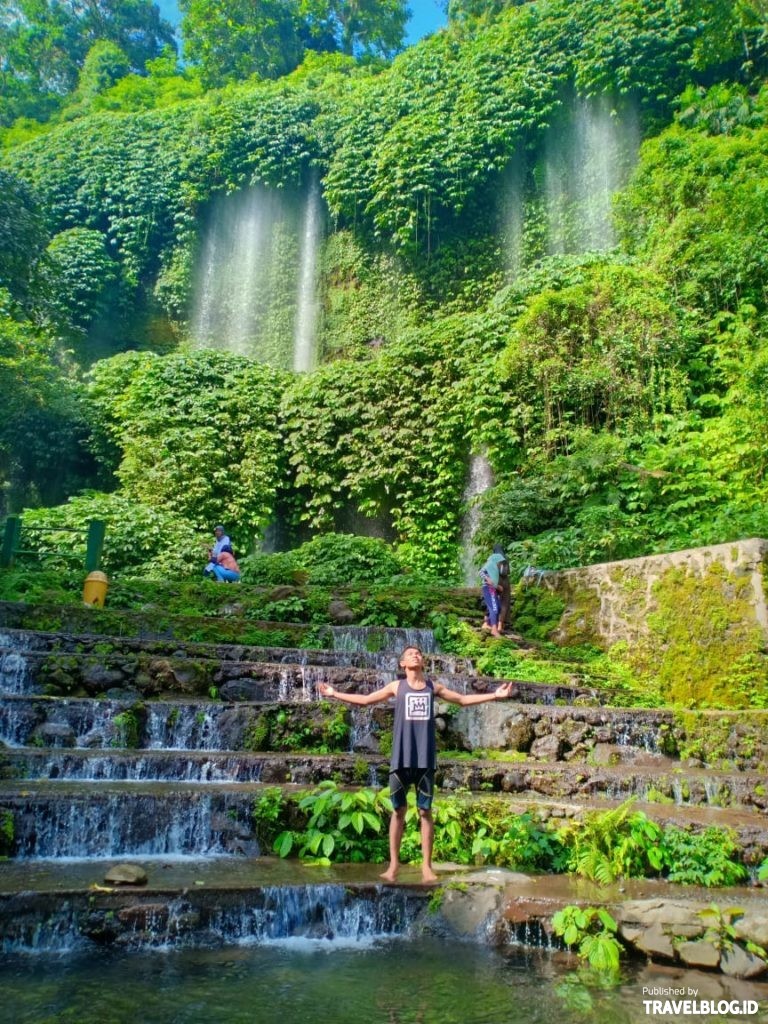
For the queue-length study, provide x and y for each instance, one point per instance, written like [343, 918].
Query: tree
[42, 431]
[471, 10]
[355, 27]
[241, 38]
[232, 41]
[44, 44]
[104, 64]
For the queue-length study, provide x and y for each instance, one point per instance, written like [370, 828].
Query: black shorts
[401, 780]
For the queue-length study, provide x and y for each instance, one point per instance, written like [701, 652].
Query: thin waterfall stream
[255, 290]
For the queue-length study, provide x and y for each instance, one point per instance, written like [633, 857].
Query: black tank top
[413, 739]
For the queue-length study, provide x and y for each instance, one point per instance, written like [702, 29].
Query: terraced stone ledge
[659, 781]
[533, 724]
[229, 626]
[151, 676]
[214, 903]
[154, 804]
[14, 640]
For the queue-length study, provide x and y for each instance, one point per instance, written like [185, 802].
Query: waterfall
[513, 214]
[389, 639]
[316, 912]
[177, 726]
[174, 823]
[129, 766]
[255, 283]
[304, 347]
[587, 156]
[269, 915]
[360, 735]
[13, 665]
[480, 480]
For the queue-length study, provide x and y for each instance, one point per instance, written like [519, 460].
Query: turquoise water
[428, 981]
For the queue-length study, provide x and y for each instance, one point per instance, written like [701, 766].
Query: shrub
[593, 931]
[332, 559]
[613, 844]
[140, 539]
[701, 858]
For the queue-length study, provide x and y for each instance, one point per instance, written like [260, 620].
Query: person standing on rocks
[492, 589]
[414, 748]
[505, 595]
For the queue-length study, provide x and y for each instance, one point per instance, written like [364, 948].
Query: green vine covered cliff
[615, 379]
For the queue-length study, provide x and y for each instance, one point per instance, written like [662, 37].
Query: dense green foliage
[269, 37]
[392, 426]
[43, 454]
[143, 538]
[45, 45]
[619, 396]
[330, 560]
[330, 825]
[197, 434]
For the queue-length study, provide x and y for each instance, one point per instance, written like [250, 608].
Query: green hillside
[543, 241]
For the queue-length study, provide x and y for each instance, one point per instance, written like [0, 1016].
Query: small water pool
[298, 981]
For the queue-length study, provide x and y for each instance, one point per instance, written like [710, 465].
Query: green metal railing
[12, 545]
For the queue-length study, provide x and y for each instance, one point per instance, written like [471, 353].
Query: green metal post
[10, 540]
[96, 530]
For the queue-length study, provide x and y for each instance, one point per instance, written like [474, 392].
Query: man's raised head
[412, 657]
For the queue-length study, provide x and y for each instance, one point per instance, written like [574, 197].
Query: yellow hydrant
[95, 589]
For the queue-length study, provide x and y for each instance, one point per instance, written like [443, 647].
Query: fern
[613, 844]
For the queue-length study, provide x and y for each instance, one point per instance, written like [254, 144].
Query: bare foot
[390, 875]
[428, 876]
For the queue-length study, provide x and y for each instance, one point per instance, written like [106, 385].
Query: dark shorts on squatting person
[401, 780]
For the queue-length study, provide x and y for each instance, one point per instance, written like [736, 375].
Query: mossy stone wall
[693, 624]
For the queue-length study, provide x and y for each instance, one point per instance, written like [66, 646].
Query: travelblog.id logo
[667, 1001]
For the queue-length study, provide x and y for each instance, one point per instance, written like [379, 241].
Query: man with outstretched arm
[414, 751]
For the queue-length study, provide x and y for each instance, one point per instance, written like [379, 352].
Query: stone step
[173, 876]
[228, 627]
[98, 674]
[735, 740]
[59, 819]
[55, 907]
[557, 733]
[191, 905]
[658, 781]
[15, 641]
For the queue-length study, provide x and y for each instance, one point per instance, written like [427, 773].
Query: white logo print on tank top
[417, 707]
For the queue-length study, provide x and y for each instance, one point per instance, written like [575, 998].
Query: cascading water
[317, 912]
[480, 480]
[183, 726]
[392, 639]
[268, 915]
[256, 281]
[13, 664]
[513, 214]
[304, 341]
[122, 766]
[361, 731]
[166, 822]
[587, 156]
[561, 201]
